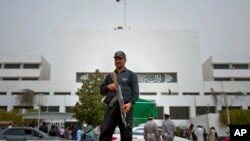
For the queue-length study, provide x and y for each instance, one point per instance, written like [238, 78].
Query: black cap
[120, 54]
[166, 115]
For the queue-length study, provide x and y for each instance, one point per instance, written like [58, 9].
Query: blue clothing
[79, 135]
[129, 86]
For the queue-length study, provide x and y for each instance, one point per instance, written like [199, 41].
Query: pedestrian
[66, 133]
[205, 135]
[10, 125]
[191, 134]
[151, 132]
[79, 133]
[97, 133]
[211, 135]
[89, 133]
[44, 128]
[168, 129]
[199, 133]
[61, 132]
[52, 131]
[130, 92]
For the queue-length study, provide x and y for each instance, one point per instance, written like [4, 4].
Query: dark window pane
[3, 108]
[53, 109]
[171, 93]
[44, 93]
[241, 79]
[148, 93]
[50, 108]
[188, 93]
[17, 93]
[12, 66]
[231, 107]
[23, 107]
[221, 66]
[11, 78]
[69, 109]
[3, 93]
[240, 66]
[31, 66]
[222, 79]
[160, 112]
[62, 93]
[179, 112]
[31, 78]
[201, 110]
[207, 93]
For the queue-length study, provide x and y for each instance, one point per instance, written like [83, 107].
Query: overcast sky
[26, 26]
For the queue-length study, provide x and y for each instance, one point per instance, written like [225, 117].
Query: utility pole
[124, 14]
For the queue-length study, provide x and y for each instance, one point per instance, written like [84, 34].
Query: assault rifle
[120, 98]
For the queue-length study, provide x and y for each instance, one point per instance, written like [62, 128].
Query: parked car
[24, 134]
[138, 135]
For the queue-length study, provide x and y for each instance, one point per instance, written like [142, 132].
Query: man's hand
[127, 107]
[112, 87]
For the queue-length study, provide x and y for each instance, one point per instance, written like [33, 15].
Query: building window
[175, 112]
[62, 93]
[10, 78]
[241, 79]
[23, 107]
[160, 112]
[50, 108]
[231, 107]
[201, 110]
[3, 108]
[43, 93]
[31, 66]
[240, 66]
[12, 66]
[222, 79]
[30, 78]
[69, 109]
[54, 108]
[169, 93]
[148, 93]
[221, 66]
[3, 93]
[188, 93]
[17, 93]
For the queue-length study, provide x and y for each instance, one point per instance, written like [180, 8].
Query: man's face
[119, 62]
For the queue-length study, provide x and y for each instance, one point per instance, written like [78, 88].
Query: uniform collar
[124, 70]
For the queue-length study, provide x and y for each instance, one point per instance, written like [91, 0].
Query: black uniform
[130, 91]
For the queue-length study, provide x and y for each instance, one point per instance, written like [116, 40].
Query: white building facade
[167, 62]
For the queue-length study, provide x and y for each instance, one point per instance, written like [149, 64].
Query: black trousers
[112, 119]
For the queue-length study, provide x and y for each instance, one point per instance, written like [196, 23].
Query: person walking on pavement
[199, 133]
[130, 92]
[97, 133]
[151, 132]
[211, 134]
[168, 129]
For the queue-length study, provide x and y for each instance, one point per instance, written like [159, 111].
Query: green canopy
[142, 109]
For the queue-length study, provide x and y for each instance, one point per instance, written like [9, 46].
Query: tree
[90, 108]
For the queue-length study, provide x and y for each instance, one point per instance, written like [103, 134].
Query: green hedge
[237, 117]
